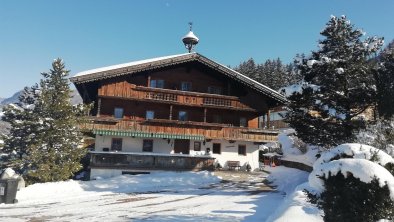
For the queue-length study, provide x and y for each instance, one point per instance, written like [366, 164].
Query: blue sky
[94, 33]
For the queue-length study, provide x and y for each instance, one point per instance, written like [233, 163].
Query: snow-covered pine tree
[292, 76]
[338, 86]
[24, 123]
[58, 150]
[278, 74]
[249, 69]
[272, 73]
[384, 76]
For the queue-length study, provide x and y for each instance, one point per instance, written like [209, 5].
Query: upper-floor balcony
[130, 91]
[160, 128]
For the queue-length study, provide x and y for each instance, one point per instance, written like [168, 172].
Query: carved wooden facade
[182, 97]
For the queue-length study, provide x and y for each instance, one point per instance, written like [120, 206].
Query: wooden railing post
[98, 107]
[170, 117]
[268, 119]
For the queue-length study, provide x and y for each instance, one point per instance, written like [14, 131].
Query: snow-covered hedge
[351, 181]
[364, 170]
[356, 151]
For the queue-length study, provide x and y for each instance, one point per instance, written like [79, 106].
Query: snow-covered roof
[150, 64]
[272, 154]
[191, 35]
[124, 65]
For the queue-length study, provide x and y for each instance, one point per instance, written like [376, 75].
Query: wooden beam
[148, 81]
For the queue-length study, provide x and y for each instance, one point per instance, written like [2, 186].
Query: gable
[169, 62]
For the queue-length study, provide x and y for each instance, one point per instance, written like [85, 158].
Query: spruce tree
[338, 86]
[384, 76]
[58, 152]
[51, 150]
[272, 73]
[24, 129]
[248, 69]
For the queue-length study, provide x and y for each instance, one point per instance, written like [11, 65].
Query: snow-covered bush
[351, 183]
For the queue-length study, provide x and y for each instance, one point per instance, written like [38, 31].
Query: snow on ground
[286, 180]
[297, 208]
[294, 154]
[160, 196]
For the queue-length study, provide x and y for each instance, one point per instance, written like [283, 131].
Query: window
[242, 150]
[186, 86]
[157, 83]
[150, 114]
[216, 148]
[182, 116]
[116, 144]
[217, 118]
[147, 146]
[118, 112]
[214, 90]
[197, 146]
[243, 122]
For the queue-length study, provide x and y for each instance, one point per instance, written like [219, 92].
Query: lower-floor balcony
[174, 129]
[149, 161]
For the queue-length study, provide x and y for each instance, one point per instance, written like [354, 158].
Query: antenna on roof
[190, 40]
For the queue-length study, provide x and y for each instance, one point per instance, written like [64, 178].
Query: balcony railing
[150, 161]
[179, 128]
[130, 91]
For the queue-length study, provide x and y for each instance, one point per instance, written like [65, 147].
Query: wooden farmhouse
[180, 112]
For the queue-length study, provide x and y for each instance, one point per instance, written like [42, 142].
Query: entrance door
[182, 146]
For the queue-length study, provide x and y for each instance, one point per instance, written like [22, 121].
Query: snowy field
[160, 196]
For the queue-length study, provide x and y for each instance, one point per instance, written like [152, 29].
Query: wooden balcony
[179, 130]
[176, 97]
[149, 161]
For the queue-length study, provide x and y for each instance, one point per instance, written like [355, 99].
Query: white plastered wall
[229, 151]
[130, 144]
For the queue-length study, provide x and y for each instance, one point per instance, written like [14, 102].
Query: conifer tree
[58, 153]
[24, 129]
[51, 150]
[249, 69]
[338, 86]
[384, 76]
[272, 73]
